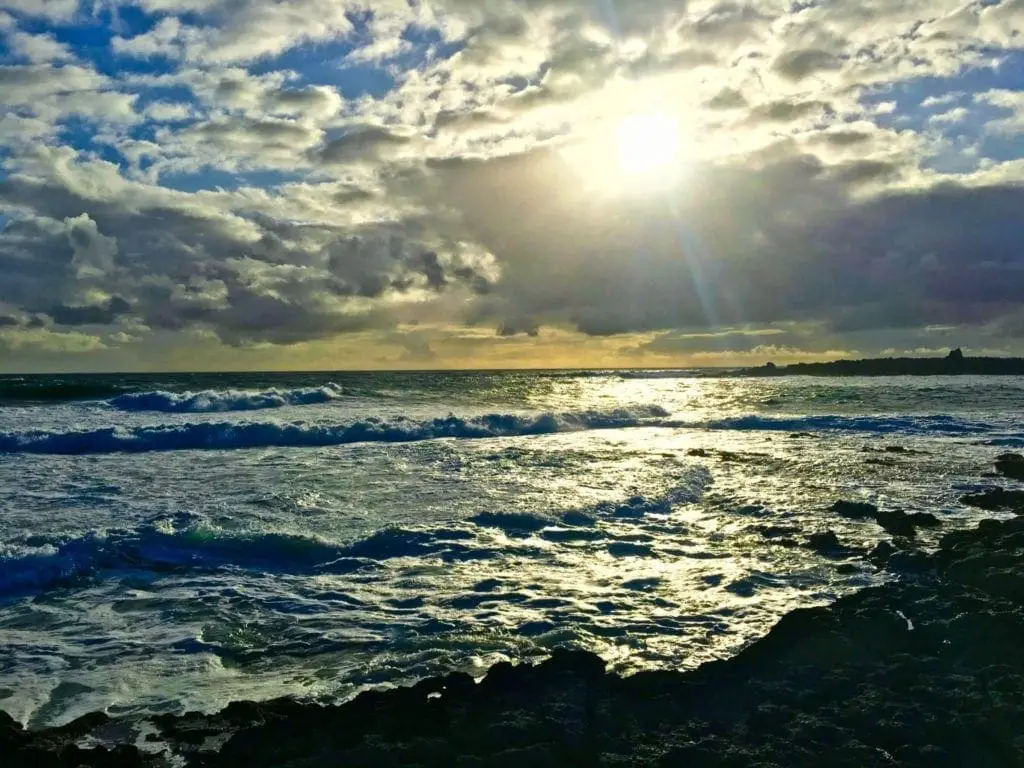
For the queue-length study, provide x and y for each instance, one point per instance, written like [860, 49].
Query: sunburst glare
[647, 144]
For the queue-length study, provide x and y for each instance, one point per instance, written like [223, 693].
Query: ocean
[175, 542]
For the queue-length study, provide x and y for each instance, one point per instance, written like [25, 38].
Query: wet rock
[742, 588]
[628, 549]
[911, 562]
[828, 544]
[881, 552]
[487, 585]
[776, 531]
[1010, 465]
[995, 499]
[856, 510]
[899, 523]
[924, 520]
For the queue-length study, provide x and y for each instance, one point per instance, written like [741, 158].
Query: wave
[909, 425]
[218, 401]
[190, 544]
[227, 436]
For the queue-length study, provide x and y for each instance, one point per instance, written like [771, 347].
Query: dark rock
[911, 562]
[628, 549]
[924, 520]
[857, 510]
[897, 523]
[995, 499]
[775, 531]
[954, 364]
[1010, 465]
[828, 544]
[881, 552]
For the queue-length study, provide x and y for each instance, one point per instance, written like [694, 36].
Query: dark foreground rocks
[897, 522]
[925, 672]
[1010, 465]
[996, 499]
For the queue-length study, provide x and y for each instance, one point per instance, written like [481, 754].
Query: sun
[629, 154]
[647, 144]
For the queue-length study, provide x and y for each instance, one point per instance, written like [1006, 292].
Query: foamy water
[171, 543]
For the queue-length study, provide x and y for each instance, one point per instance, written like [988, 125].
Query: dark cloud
[432, 270]
[243, 134]
[247, 280]
[510, 328]
[90, 314]
[860, 171]
[727, 98]
[845, 138]
[798, 64]
[362, 143]
[775, 237]
[7, 321]
[786, 110]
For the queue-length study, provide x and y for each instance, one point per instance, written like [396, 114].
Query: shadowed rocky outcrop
[952, 365]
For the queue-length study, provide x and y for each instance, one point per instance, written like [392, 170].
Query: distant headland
[954, 364]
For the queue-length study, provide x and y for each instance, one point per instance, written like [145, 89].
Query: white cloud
[1012, 101]
[38, 49]
[54, 10]
[168, 112]
[953, 116]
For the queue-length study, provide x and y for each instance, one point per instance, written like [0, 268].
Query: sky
[326, 184]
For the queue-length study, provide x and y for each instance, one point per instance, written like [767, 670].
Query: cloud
[727, 98]
[360, 143]
[819, 253]
[38, 48]
[53, 10]
[104, 314]
[787, 110]
[798, 64]
[441, 179]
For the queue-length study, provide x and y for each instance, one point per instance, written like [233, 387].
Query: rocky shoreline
[924, 671]
[955, 364]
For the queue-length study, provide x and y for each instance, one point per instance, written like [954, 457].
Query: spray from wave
[219, 401]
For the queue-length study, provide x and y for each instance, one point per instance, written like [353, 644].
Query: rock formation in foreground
[925, 672]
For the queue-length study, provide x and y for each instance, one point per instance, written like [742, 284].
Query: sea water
[176, 542]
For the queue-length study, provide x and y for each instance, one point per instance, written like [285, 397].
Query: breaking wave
[228, 436]
[218, 401]
[190, 544]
